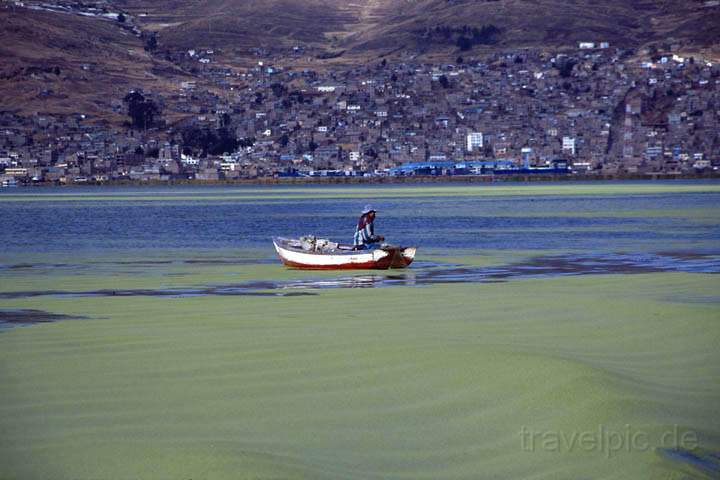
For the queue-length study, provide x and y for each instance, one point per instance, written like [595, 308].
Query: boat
[308, 253]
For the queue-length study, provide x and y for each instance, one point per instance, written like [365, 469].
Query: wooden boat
[295, 254]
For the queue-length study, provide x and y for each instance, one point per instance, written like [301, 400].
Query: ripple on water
[427, 273]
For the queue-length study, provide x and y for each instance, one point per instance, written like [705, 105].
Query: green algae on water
[426, 382]
[380, 191]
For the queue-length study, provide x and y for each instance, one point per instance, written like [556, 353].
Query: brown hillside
[62, 63]
[242, 24]
[384, 25]
[543, 23]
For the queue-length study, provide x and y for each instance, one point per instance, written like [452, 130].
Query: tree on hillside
[486, 35]
[464, 43]
[226, 143]
[278, 89]
[297, 96]
[565, 67]
[151, 42]
[142, 111]
[225, 119]
[213, 142]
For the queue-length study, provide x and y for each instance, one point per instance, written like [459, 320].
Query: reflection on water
[428, 273]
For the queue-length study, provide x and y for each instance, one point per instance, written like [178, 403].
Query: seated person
[365, 232]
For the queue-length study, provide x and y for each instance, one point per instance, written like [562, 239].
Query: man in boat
[365, 232]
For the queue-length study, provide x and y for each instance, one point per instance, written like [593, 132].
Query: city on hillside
[590, 111]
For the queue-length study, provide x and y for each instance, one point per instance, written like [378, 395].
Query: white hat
[367, 209]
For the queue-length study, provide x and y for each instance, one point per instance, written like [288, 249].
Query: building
[16, 172]
[526, 153]
[568, 145]
[474, 141]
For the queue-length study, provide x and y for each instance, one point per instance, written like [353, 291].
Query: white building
[188, 160]
[474, 141]
[582, 166]
[526, 154]
[568, 145]
[229, 166]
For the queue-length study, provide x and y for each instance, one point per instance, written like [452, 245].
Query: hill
[423, 26]
[428, 25]
[62, 63]
[236, 24]
[65, 62]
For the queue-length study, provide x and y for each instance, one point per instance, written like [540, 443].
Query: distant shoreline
[395, 180]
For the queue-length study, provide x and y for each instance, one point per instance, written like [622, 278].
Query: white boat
[296, 253]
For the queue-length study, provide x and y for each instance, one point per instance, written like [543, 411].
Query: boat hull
[377, 259]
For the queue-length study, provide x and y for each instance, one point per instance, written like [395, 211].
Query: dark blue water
[46, 222]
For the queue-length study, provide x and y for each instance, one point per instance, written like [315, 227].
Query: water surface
[152, 333]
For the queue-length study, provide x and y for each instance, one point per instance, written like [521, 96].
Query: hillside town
[590, 111]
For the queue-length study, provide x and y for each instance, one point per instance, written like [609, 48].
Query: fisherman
[365, 233]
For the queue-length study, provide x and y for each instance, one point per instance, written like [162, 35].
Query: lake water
[152, 333]
[434, 218]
